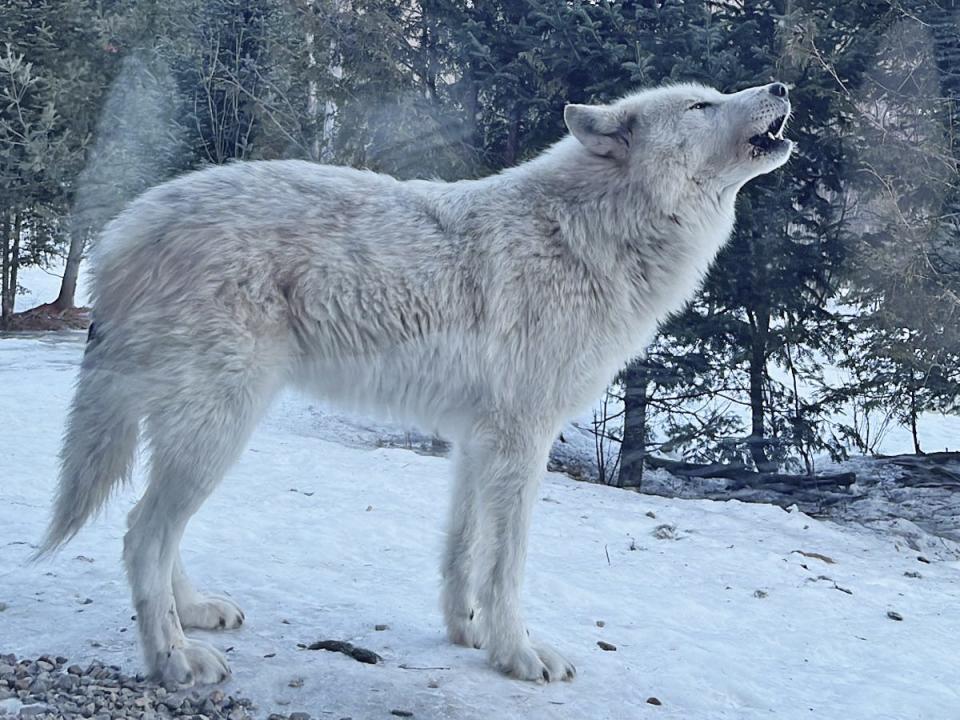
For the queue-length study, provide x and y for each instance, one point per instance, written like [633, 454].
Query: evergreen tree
[903, 347]
[766, 300]
[50, 79]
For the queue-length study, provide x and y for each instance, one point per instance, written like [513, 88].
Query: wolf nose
[778, 89]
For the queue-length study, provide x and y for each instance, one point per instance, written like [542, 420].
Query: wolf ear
[599, 129]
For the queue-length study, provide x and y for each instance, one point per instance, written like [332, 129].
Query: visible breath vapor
[137, 144]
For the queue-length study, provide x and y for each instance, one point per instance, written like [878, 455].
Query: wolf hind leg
[199, 610]
[195, 435]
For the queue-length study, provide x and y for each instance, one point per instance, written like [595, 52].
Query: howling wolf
[490, 310]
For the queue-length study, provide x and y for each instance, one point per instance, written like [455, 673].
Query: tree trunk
[913, 422]
[330, 110]
[471, 106]
[943, 19]
[313, 98]
[5, 309]
[68, 287]
[511, 151]
[758, 372]
[15, 261]
[633, 450]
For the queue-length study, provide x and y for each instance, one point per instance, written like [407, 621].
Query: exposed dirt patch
[48, 317]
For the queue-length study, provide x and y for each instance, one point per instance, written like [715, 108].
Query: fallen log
[741, 477]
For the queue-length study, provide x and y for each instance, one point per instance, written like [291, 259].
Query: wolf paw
[536, 662]
[465, 630]
[211, 612]
[195, 663]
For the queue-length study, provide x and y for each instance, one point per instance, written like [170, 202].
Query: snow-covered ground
[711, 607]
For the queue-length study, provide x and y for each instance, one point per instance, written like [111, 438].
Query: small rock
[651, 514]
[40, 684]
[604, 645]
[381, 628]
[893, 615]
[296, 683]
[75, 670]
[299, 716]
[33, 709]
[922, 559]
[600, 623]
[653, 701]
[908, 573]
[3, 606]
[665, 532]
[66, 682]
[760, 594]
[401, 713]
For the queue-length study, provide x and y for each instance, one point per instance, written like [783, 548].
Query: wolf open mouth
[771, 139]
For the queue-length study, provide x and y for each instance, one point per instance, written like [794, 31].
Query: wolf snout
[777, 89]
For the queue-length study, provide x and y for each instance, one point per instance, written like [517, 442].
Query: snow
[318, 534]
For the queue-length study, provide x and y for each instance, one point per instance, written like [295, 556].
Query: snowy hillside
[713, 607]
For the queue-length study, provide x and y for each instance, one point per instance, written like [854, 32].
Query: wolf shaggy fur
[489, 310]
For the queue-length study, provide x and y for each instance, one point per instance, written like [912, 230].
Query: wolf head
[689, 133]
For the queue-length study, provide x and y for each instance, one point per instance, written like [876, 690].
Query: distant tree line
[850, 258]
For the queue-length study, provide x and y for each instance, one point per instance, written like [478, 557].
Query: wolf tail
[98, 451]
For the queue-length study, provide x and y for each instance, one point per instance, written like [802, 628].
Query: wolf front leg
[507, 466]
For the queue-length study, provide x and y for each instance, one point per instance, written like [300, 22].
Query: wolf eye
[700, 106]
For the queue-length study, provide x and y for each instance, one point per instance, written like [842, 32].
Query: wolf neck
[647, 246]
[600, 210]
[612, 223]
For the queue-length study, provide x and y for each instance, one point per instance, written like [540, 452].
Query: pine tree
[46, 83]
[903, 347]
[765, 301]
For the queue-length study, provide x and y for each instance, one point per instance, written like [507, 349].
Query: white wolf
[490, 310]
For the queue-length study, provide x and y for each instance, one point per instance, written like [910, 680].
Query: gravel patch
[50, 688]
